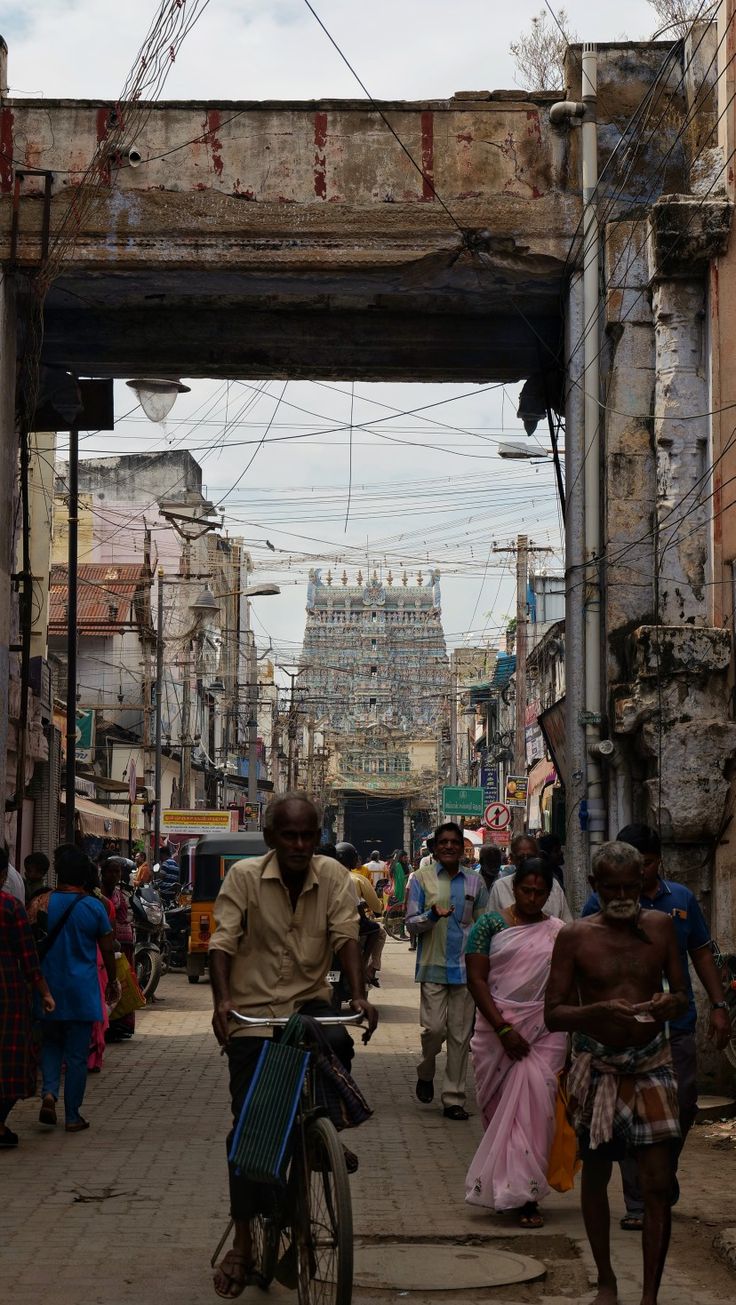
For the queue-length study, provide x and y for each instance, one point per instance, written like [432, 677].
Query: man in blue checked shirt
[693, 939]
[445, 899]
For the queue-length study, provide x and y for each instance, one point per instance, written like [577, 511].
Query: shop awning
[541, 774]
[94, 819]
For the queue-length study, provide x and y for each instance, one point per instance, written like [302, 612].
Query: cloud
[404, 49]
[257, 49]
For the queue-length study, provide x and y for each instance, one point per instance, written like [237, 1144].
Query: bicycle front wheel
[323, 1229]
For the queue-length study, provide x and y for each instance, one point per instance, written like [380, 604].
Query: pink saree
[517, 1098]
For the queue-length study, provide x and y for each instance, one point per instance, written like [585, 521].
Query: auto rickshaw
[209, 862]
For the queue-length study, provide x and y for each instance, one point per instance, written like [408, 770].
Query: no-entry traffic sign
[497, 816]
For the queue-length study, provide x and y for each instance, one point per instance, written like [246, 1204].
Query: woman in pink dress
[112, 872]
[515, 1058]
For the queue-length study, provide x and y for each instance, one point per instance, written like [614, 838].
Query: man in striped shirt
[445, 899]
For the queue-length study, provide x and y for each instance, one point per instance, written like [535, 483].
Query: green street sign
[463, 801]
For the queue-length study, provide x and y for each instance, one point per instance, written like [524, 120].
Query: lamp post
[191, 518]
[205, 605]
[253, 591]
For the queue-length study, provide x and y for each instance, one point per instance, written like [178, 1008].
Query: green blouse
[482, 934]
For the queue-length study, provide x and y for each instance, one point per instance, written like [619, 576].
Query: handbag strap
[51, 937]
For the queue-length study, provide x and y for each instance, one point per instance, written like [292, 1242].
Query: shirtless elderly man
[606, 989]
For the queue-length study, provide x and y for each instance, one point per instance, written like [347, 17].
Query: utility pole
[310, 756]
[72, 636]
[522, 549]
[252, 703]
[186, 696]
[189, 525]
[292, 765]
[159, 695]
[149, 650]
[453, 726]
[522, 581]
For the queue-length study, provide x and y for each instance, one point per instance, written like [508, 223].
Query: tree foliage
[675, 17]
[539, 54]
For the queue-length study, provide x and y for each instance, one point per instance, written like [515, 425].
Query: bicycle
[308, 1234]
[393, 922]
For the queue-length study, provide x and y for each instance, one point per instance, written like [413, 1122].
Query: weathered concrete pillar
[8, 460]
[670, 708]
[407, 825]
[681, 432]
[630, 481]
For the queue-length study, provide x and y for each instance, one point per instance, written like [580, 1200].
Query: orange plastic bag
[563, 1161]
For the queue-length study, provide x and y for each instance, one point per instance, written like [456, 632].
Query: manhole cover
[442, 1268]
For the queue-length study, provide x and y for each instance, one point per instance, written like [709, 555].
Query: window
[374, 672]
[371, 702]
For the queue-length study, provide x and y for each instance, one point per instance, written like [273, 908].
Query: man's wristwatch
[719, 1005]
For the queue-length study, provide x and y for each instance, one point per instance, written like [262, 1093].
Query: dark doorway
[374, 822]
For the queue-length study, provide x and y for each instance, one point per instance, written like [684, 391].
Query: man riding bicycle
[280, 918]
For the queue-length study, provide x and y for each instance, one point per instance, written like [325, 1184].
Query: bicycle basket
[262, 1142]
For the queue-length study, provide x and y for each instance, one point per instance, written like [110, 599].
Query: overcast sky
[411, 503]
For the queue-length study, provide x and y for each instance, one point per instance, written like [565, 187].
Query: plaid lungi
[628, 1098]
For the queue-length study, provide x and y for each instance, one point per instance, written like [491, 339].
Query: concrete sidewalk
[132, 1210]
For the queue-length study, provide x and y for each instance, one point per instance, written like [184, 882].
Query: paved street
[131, 1210]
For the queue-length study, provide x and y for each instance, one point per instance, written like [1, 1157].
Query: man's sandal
[633, 1223]
[237, 1273]
[47, 1113]
[424, 1090]
[455, 1112]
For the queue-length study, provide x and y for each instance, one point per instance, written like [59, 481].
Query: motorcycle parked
[177, 919]
[147, 913]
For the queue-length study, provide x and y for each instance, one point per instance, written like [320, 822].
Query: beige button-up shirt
[281, 956]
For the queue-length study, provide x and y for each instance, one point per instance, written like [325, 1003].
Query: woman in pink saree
[515, 1058]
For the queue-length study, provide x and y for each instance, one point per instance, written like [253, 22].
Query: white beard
[627, 910]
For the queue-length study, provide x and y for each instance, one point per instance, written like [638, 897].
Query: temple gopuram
[376, 671]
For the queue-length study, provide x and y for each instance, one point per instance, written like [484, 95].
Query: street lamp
[157, 396]
[522, 453]
[205, 605]
[261, 591]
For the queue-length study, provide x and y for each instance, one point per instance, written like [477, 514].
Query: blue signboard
[489, 779]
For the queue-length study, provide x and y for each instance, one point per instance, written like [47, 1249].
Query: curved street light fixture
[156, 395]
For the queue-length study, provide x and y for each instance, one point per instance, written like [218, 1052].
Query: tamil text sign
[198, 822]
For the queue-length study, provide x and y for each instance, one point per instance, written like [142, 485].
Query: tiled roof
[105, 595]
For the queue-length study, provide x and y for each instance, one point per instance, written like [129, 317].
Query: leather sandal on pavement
[77, 1126]
[425, 1090]
[633, 1223]
[455, 1112]
[234, 1273]
[47, 1113]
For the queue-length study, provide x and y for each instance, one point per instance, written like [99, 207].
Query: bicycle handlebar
[280, 1021]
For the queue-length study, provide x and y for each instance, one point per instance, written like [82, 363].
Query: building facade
[375, 679]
